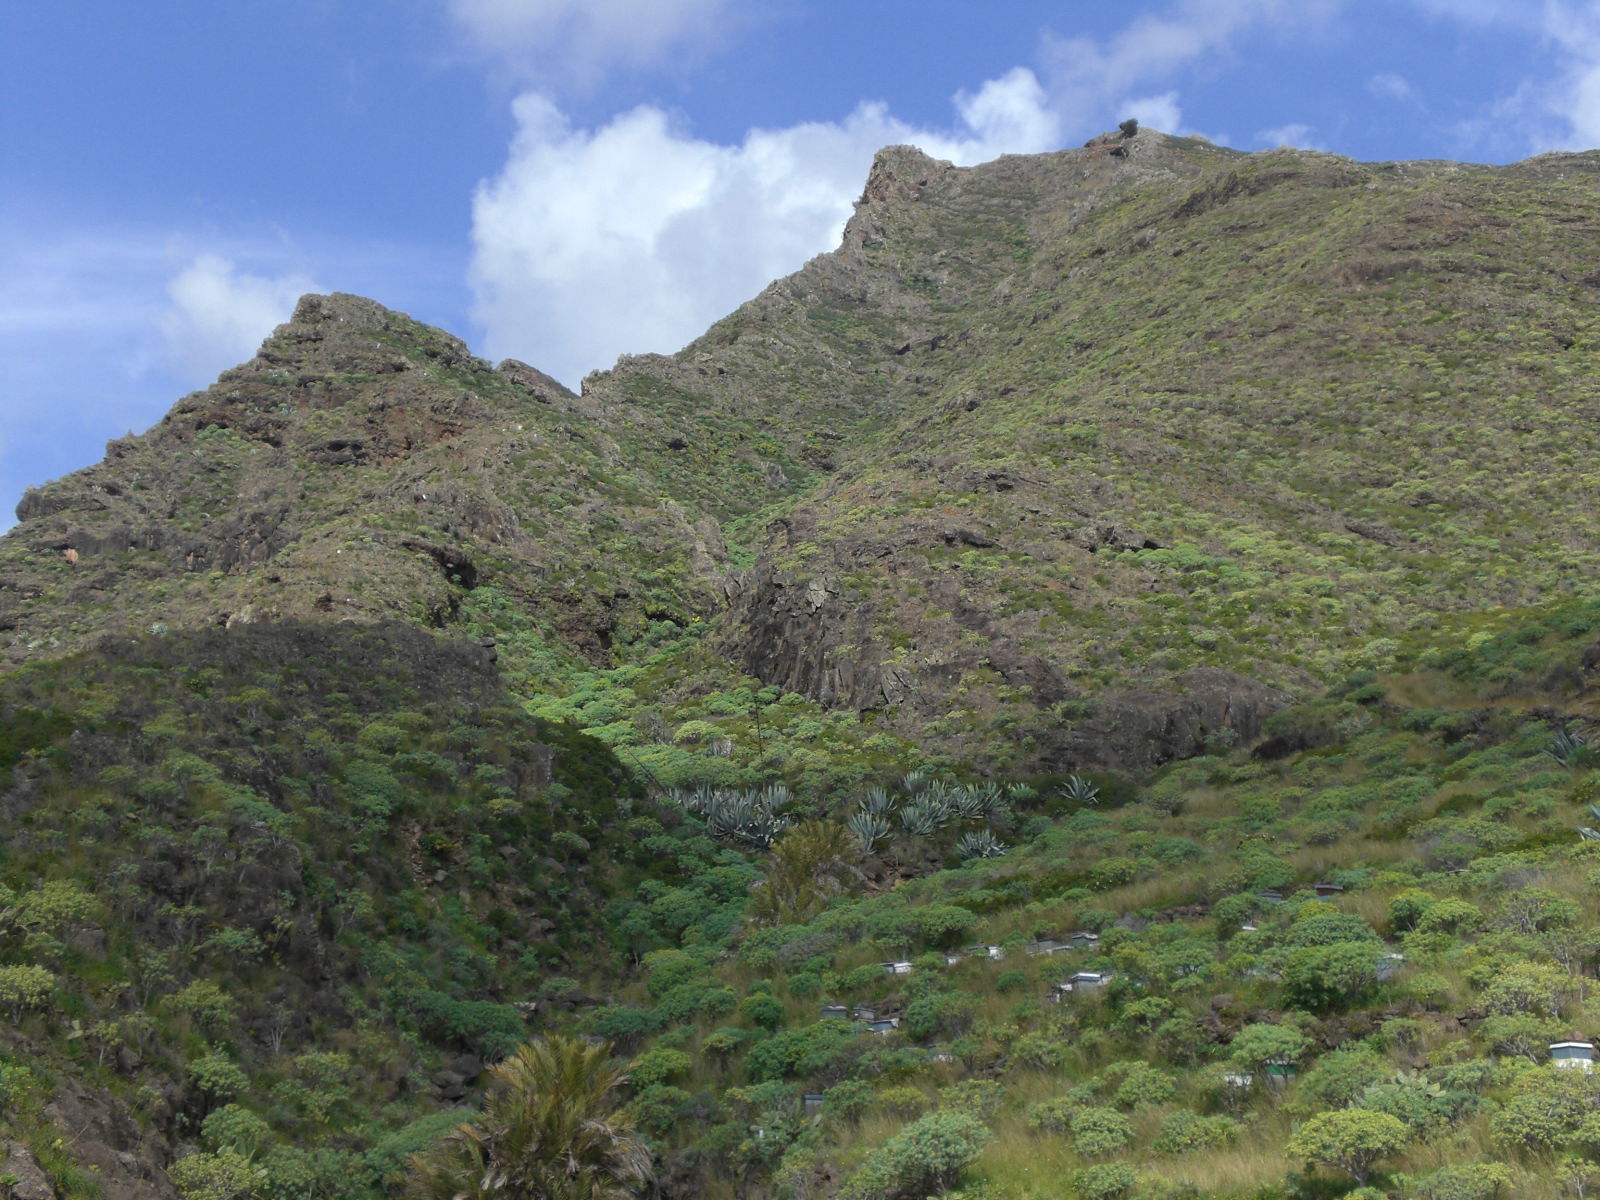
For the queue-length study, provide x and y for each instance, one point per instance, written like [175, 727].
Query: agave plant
[919, 820]
[982, 844]
[878, 802]
[1079, 790]
[940, 802]
[738, 815]
[1565, 747]
[869, 828]
[913, 782]
[970, 803]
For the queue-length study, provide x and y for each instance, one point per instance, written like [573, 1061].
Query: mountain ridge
[956, 454]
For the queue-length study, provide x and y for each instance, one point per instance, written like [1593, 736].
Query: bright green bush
[1104, 1181]
[1183, 1131]
[225, 1175]
[23, 988]
[1323, 978]
[235, 1127]
[1051, 1116]
[1100, 1131]
[206, 1004]
[1466, 1181]
[657, 1066]
[217, 1076]
[975, 1097]
[946, 1014]
[923, 1159]
[1350, 1139]
[762, 1010]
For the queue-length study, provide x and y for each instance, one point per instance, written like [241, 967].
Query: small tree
[225, 1175]
[1350, 1139]
[25, 987]
[923, 1159]
[1329, 977]
[1256, 1046]
[1129, 127]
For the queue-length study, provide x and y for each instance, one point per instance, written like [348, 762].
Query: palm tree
[549, 1130]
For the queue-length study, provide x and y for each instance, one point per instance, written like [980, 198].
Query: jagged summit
[355, 468]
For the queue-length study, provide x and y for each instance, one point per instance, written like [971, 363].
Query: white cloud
[1157, 112]
[219, 315]
[1391, 87]
[636, 236]
[1558, 108]
[542, 39]
[1296, 135]
[1085, 73]
[1574, 96]
[1483, 12]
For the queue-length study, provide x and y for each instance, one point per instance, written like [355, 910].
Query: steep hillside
[1093, 555]
[331, 859]
[1089, 458]
[1211, 413]
[360, 467]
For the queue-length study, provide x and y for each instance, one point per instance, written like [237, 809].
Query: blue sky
[563, 181]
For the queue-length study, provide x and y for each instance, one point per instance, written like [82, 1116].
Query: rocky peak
[344, 333]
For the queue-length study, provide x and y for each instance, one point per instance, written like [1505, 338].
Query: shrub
[1098, 1131]
[658, 1108]
[1010, 980]
[657, 1066]
[488, 1029]
[1350, 1139]
[217, 1076]
[805, 1051]
[923, 1159]
[1184, 1131]
[1526, 988]
[1051, 1116]
[1406, 909]
[204, 1003]
[219, 1176]
[975, 1097]
[1103, 1181]
[1340, 1077]
[943, 1013]
[1321, 978]
[237, 1128]
[847, 1100]
[1546, 1107]
[724, 1042]
[1468, 1181]
[903, 1100]
[1326, 929]
[1140, 1084]
[24, 988]
[1450, 916]
[941, 924]
[762, 1010]
[627, 1026]
[1111, 873]
[1254, 1046]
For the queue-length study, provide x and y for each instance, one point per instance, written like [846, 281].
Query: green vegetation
[1088, 691]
